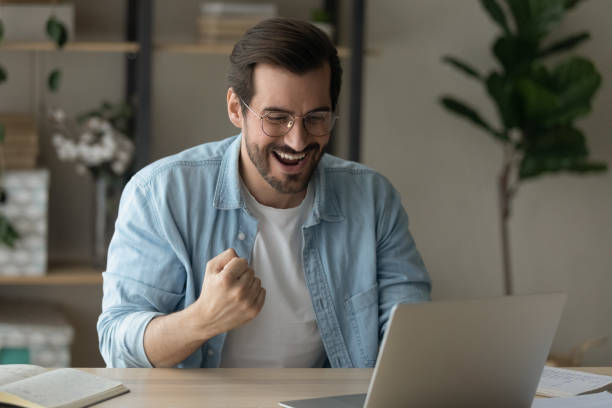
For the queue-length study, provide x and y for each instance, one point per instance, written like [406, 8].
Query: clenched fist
[231, 293]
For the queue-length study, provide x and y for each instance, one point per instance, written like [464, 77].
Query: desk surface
[238, 387]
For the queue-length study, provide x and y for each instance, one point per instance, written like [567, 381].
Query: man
[260, 250]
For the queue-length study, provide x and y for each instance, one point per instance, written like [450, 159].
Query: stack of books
[20, 147]
[224, 23]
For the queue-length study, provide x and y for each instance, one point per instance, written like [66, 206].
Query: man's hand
[231, 294]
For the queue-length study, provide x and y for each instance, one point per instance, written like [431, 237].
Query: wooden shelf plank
[218, 49]
[106, 47]
[132, 47]
[58, 275]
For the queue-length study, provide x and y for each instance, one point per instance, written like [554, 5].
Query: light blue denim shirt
[358, 256]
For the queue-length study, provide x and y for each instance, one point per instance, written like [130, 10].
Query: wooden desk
[230, 387]
[236, 388]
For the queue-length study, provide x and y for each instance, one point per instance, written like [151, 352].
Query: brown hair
[294, 45]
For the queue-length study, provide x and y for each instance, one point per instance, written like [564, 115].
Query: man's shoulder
[207, 155]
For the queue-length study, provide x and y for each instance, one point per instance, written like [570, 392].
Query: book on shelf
[31, 386]
[227, 22]
[20, 146]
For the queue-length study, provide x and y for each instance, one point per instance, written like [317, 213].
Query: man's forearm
[172, 338]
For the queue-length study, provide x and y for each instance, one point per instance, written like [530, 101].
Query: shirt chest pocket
[363, 314]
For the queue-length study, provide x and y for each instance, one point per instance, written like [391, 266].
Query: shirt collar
[228, 195]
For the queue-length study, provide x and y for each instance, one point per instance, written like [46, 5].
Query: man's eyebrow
[277, 109]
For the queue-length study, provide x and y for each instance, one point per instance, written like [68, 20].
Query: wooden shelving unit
[106, 47]
[133, 47]
[58, 275]
[220, 49]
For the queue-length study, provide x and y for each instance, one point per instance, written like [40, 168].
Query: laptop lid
[471, 353]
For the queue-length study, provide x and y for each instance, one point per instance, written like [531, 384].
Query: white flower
[67, 151]
[57, 115]
[118, 168]
[106, 127]
[87, 137]
[108, 141]
[94, 123]
[58, 140]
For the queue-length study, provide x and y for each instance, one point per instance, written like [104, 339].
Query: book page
[64, 387]
[14, 372]
[560, 382]
[600, 400]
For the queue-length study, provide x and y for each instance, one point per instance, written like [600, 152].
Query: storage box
[28, 21]
[34, 333]
[26, 208]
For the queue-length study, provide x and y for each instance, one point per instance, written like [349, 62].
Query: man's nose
[297, 137]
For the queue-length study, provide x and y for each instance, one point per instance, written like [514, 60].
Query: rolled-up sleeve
[402, 276]
[144, 279]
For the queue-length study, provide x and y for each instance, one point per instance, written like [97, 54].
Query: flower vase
[105, 213]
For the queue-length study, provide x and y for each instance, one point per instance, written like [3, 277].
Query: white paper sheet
[560, 382]
[599, 400]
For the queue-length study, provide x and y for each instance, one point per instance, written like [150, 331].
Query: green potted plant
[538, 101]
[57, 32]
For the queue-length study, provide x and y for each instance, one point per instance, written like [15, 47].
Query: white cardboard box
[26, 208]
[38, 327]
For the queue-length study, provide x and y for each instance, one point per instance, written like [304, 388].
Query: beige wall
[444, 168]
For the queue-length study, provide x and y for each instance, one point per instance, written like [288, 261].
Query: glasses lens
[276, 124]
[319, 123]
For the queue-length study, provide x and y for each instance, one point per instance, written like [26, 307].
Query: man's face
[287, 162]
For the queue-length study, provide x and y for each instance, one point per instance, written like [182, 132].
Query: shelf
[219, 49]
[133, 47]
[58, 275]
[107, 47]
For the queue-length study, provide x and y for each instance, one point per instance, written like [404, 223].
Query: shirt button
[241, 236]
[210, 353]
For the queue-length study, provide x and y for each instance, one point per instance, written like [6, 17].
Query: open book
[561, 382]
[31, 386]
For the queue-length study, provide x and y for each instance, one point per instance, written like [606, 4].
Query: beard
[290, 183]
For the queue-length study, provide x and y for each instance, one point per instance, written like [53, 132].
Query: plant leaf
[514, 53]
[496, 13]
[1, 31]
[565, 44]
[535, 18]
[538, 101]
[460, 108]
[54, 80]
[462, 66]
[57, 31]
[502, 90]
[8, 234]
[3, 75]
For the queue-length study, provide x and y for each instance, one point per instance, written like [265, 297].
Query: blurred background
[445, 168]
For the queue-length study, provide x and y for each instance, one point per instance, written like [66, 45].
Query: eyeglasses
[277, 124]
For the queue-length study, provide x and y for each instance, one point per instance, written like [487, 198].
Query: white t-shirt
[285, 332]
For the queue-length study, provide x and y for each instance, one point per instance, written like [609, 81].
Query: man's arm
[401, 273]
[231, 296]
[145, 281]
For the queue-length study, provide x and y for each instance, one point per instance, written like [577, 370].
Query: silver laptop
[472, 353]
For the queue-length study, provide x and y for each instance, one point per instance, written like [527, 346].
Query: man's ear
[234, 108]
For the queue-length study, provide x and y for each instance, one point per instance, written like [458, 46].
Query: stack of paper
[599, 400]
[560, 382]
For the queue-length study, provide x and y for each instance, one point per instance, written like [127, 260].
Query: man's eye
[277, 118]
[316, 118]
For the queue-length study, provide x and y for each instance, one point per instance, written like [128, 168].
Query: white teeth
[287, 156]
